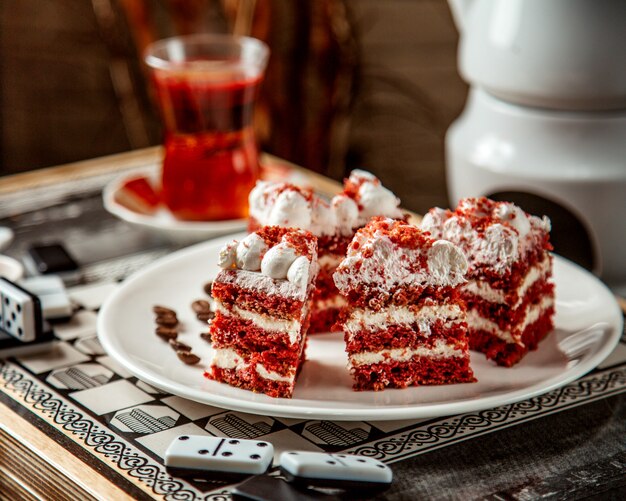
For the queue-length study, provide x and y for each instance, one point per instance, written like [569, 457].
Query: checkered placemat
[122, 426]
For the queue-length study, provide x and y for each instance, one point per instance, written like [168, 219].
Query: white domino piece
[55, 302]
[334, 470]
[21, 315]
[200, 454]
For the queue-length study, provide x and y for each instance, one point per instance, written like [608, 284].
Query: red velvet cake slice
[333, 223]
[262, 301]
[510, 293]
[406, 323]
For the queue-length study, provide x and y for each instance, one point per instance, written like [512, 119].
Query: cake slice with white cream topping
[405, 324]
[262, 300]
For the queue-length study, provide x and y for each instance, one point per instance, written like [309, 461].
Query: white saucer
[588, 326]
[163, 222]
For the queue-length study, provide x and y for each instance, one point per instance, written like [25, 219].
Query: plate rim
[391, 412]
[131, 216]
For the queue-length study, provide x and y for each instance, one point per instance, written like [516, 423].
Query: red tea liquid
[211, 156]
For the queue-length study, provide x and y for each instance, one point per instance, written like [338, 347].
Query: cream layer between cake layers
[484, 291]
[291, 327]
[368, 320]
[533, 312]
[252, 280]
[440, 349]
[227, 358]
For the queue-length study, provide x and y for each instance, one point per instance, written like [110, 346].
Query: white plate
[163, 222]
[588, 326]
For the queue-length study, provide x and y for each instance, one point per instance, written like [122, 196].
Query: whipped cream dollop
[298, 272]
[323, 218]
[250, 252]
[447, 263]
[228, 255]
[279, 204]
[490, 233]
[376, 200]
[381, 263]
[290, 209]
[499, 247]
[280, 262]
[513, 215]
[346, 213]
[433, 220]
[277, 260]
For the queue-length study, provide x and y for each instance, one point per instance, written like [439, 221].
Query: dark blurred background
[351, 83]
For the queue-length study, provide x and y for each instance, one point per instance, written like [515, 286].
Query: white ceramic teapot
[563, 54]
[545, 120]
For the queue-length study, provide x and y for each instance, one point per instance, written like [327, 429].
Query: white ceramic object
[6, 237]
[564, 54]
[163, 223]
[11, 268]
[588, 326]
[576, 160]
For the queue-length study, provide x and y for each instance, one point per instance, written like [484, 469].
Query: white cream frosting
[298, 272]
[476, 321]
[358, 175]
[274, 376]
[277, 204]
[227, 358]
[253, 255]
[346, 213]
[446, 262]
[254, 280]
[484, 291]
[515, 216]
[433, 221]
[388, 265]
[440, 349]
[365, 319]
[290, 209]
[277, 260]
[228, 255]
[499, 247]
[376, 200]
[500, 244]
[291, 327]
[323, 219]
[250, 252]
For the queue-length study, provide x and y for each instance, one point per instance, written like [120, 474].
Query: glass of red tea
[206, 87]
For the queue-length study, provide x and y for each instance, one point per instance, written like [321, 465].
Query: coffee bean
[205, 316]
[207, 287]
[178, 346]
[206, 336]
[166, 333]
[167, 320]
[162, 310]
[200, 306]
[187, 357]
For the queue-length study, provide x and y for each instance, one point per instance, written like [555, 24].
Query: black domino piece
[266, 488]
[347, 485]
[206, 475]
